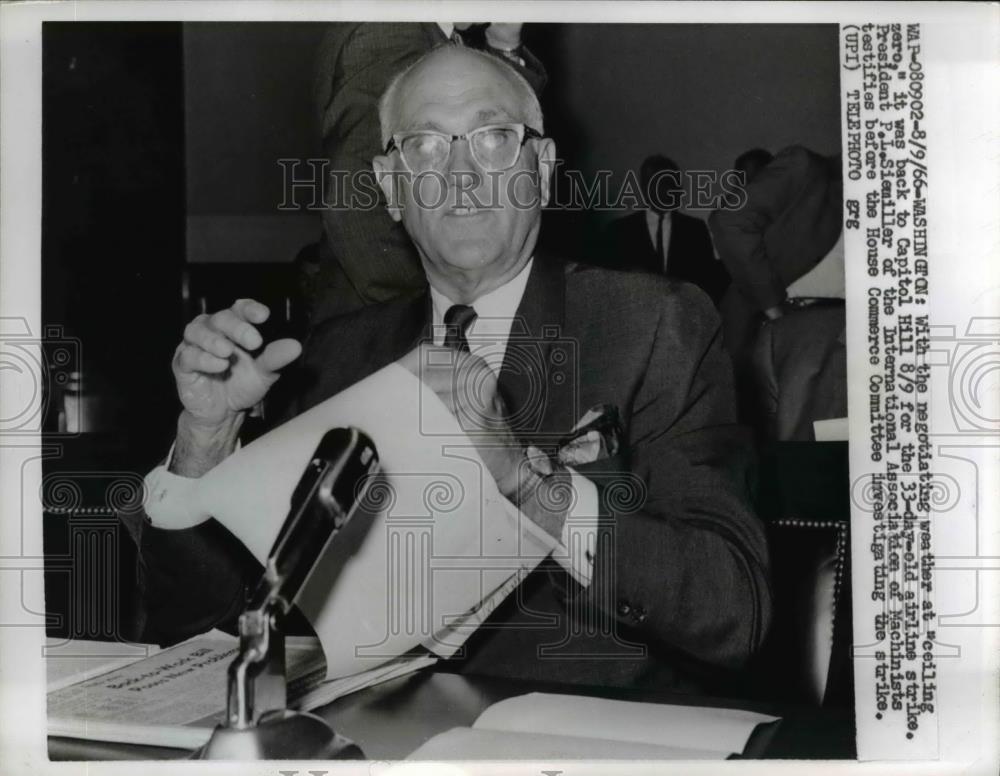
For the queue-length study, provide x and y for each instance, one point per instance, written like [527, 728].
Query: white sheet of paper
[437, 541]
[691, 727]
[68, 661]
[475, 744]
[177, 686]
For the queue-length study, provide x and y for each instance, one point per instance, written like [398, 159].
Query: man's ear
[382, 165]
[546, 167]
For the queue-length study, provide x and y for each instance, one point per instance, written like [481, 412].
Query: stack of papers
[176, 697]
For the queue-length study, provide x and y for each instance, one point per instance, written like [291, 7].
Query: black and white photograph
[535, 392]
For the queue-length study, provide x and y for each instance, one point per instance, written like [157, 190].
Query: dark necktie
[458, 319]
[659, 241]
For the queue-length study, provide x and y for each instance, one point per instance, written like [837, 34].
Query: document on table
[433, 545]
[177, 696]
[548, 726]
[68, 661]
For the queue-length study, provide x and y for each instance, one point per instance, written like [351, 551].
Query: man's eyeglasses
[494, 147]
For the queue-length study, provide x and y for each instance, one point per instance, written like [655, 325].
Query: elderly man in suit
[365, 258]
[675, 580]
[662, 240]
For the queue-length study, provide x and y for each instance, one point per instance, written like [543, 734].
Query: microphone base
[280, 735]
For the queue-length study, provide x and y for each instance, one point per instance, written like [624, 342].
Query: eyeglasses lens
[425, 152]
[493, 149]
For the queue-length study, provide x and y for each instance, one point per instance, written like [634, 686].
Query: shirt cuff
[579, 533]
[169, 499]
[171, 502]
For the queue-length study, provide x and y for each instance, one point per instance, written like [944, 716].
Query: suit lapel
[538, 375]
[415, 326]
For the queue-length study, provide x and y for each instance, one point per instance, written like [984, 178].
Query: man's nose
[465, 177]
[460, 160]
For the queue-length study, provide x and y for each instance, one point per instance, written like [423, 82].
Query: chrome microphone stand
[258, 724]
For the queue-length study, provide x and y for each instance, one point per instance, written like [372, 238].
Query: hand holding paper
[432, 541]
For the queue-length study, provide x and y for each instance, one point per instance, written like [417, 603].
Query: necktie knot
[457, 321]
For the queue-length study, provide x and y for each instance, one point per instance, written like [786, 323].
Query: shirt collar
[500, 303]
[652, 216]
[447, 28]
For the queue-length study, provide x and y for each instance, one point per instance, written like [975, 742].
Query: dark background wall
[701, 94]
[247, 103]
[698, 93]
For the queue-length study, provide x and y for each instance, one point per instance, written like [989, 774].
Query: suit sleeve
[372, 254]
[188, 581]
[191, 580]
[739, 234]
[715, 274]
[683, 558]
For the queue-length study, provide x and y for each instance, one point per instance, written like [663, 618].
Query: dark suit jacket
[800, 370]
[680, 576]
[792, 218]
[690, 255]
[365, 257]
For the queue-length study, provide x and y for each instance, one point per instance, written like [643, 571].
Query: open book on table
[542, 726]
[177, 696]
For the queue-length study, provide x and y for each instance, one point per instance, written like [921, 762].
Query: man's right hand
[218, 380]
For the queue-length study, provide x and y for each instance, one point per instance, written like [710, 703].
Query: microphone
[335, 480]
[258, 724]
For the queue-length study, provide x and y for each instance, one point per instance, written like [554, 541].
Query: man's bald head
[455, 67]
[474, 227]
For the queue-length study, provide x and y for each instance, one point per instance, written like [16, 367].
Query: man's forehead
[452, 92]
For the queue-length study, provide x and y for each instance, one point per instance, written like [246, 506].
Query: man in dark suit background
[670, 579]
[662, 240]
[364, 257]
[791, 220]
[784, 250]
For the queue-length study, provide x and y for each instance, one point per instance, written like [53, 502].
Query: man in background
[662, 240]
[363, 257]
[784, 251]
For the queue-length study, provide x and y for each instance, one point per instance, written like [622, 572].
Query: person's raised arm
[220, 376]
[193, 579]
